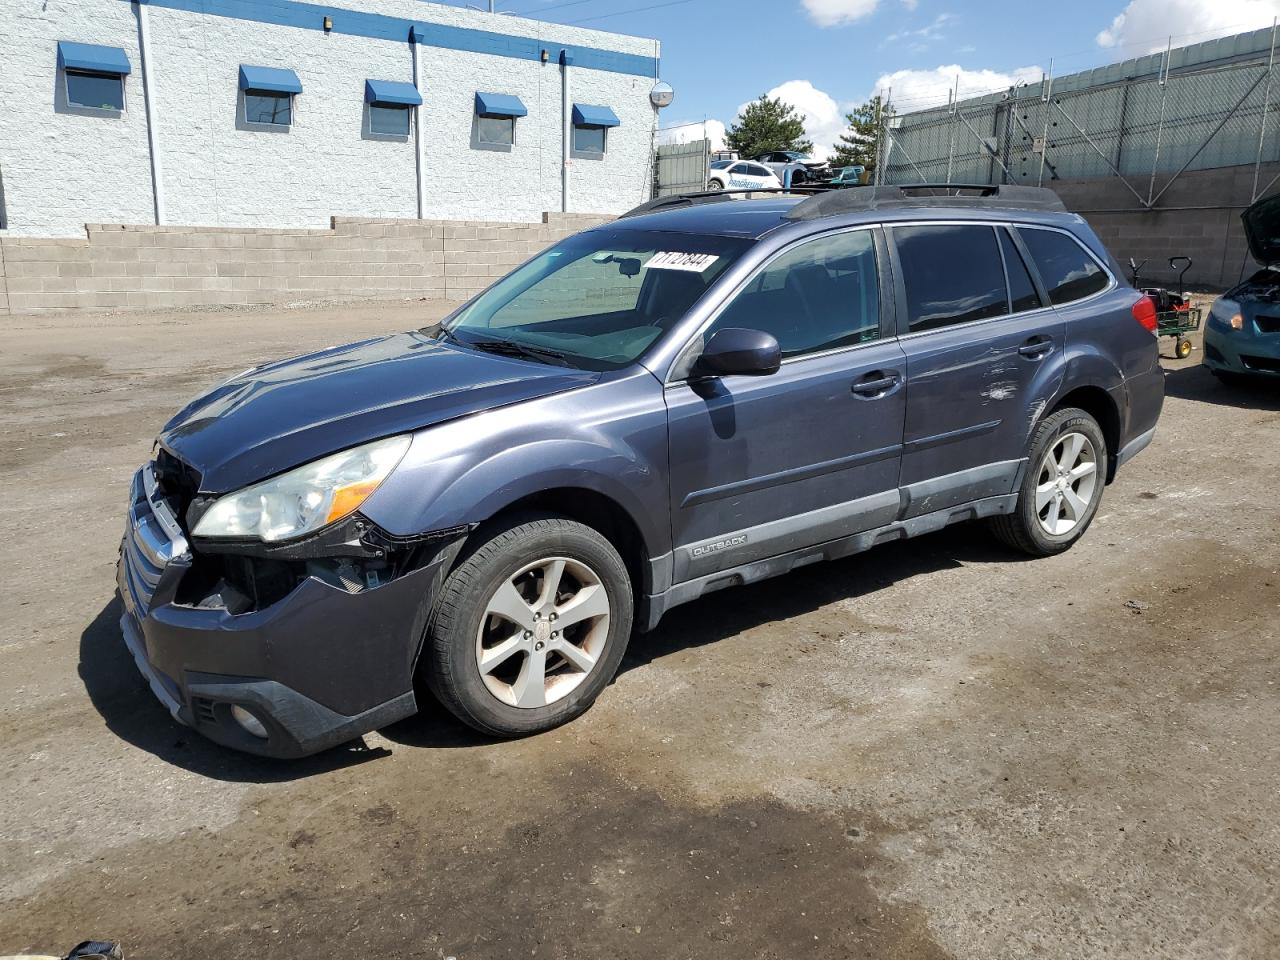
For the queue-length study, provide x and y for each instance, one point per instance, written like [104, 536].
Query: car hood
[284, 414]
[1262, 230]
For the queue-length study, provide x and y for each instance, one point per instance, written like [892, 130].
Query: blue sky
[825, 55]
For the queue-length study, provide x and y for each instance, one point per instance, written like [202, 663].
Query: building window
[391, 106]
[95, 91]
[589, 139]
[496, 115]
[497, 131]
[261, 106]
[93, 75]
[268, 95]
[591, 125]
[389, 121]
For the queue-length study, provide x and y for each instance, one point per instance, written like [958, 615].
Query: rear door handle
[875, 384]
[1036, 348]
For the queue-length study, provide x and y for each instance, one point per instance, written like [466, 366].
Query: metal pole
[1164, 97]
[420, 170]
[566, 123]
[1046, 91]
[1266, 107]
[148, 95]
[951, 149]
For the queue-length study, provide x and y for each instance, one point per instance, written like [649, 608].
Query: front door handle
[1037, 348]
[875, 384]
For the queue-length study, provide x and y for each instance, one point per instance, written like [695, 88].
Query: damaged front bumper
[322, 662]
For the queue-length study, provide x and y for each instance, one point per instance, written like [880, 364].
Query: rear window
[1068, 271]
[952, 273]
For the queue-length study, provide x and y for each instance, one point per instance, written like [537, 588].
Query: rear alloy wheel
[1061, 488]
[714, 186]
[530, 626]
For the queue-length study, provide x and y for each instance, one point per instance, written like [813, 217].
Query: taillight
[1144, 311]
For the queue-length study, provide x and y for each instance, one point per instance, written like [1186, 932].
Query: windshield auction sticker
[671, 260]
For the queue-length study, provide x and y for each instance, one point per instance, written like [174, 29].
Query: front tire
[714, 186]
[1062, 486]
[530, 627]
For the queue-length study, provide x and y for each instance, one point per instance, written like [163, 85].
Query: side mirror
[735, 351]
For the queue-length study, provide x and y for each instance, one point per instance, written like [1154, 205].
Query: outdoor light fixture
[545, 56]
[328, 24]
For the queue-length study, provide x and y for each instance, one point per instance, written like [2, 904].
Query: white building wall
[218, 172]
[61, 167]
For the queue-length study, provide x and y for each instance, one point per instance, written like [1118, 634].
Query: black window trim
[887, 297]
[904, 330]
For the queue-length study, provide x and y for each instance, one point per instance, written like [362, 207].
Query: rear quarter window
[1068, 271]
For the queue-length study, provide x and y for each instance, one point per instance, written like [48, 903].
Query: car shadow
[1197, 383]
[727, 613]
[125, 702]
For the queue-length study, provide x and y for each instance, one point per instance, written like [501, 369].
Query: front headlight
[1227, 313]
[305, 499]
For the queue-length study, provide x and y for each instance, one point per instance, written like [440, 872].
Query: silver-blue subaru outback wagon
[706, 392]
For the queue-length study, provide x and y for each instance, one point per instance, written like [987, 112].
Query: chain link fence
[1145, 122]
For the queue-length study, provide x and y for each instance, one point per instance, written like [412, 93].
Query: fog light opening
[248, 721]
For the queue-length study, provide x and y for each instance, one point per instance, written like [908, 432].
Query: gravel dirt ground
[937, 749]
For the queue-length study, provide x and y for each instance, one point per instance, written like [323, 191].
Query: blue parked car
[1242, 335]
[696, 396]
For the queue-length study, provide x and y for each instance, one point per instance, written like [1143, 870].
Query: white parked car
[741, 175]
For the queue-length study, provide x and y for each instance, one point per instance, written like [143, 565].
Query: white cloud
[1147, 24]
[823, 116]
[911, 4]
[920, 39]
[689, 132]
[837, 13]
[918, 89]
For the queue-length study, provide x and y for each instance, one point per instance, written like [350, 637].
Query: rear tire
[530, 627]
[714, 186]
[1061, 487]
[1183, 349]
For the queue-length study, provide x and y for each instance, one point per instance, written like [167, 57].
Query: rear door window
[952, 273]
[1067, 270]
[1022, 291]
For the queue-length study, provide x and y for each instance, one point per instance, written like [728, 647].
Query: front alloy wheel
[543, 632]
[530, 626]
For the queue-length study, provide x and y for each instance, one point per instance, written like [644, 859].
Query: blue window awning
[269, 79]
[93, 58]
[392, 93]
[589, 115]
[499, 105]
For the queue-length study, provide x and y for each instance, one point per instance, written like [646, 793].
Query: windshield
[597, 300]
[721, 164]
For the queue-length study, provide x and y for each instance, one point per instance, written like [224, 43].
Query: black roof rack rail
[706, 196]
[977, 195]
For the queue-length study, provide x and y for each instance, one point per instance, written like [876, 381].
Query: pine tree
[766, 125]
[860, 144]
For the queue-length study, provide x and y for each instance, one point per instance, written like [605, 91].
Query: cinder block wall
[133, 268]
[1198, 217]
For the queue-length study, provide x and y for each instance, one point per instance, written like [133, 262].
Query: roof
[731, 218]
[724, 215]
[393, 92]
[92, 58]
[269, 79]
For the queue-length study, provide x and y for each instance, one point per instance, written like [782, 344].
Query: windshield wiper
[509, 348]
